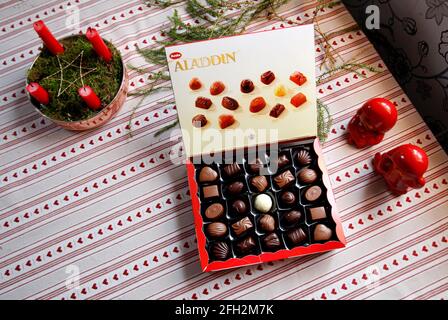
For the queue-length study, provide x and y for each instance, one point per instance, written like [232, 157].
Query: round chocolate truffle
[220, 250]
[216, 229]
[263, 203]
[214, 211]
[235, 187]
[288, 197]
[292, 217]
[313, 193]
[267, 223]
[303, 157]
[271, 241]
[322, 233]
[239, 206]
[307, 175]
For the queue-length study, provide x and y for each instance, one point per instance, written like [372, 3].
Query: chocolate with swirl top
[271, 241]
[284, 179]
[242, 226]
[260, 183]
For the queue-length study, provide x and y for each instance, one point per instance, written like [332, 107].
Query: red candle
[88, 95]
[38, 93]
[47, 37]
[98, 44]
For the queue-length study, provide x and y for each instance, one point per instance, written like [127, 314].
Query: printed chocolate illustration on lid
[263, 80]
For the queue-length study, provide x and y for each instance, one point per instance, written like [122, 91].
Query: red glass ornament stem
[38, 93]
[53, 45]
[89, 97]
[98, 44]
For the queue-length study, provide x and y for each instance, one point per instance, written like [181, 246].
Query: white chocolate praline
[263, 203]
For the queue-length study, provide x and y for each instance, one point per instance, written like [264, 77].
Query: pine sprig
[324, 120]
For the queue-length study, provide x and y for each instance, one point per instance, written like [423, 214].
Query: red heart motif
[70, 245]
[158, 206]
[194, 296]
[427, 190]
[444, 239]
[216, 286]
[323, 296]
[227, 282]
[260, 267]
[395, 263]
[126, 272]
[360, 221]
[385, 267]
[338, 178]
[338, 84]
[165, 254]
[46, 207]
[142, 165]
[350, 226]
[120, 223]
[419, 141]
[380, 213]
[136, 268]
[85, 189]
[389, 208]
[333, 291]
[16, 220]
[347, 175]
[435, 186]
[405, 258]
[176, 249]
[94, 286]
[317, 49]
[110, 227]
[59, 249]
[105, 282]
[370, 217]
[28, 263]
[155, 259]
[146, 263]
[364, 277]
[321, 91]
[408, 199]
[205, 291]
[73, 296]
[417, 195]
[344, 287]
[398, 204]
[238, 277]
[414, 253]
[248, 272]
[347, 80]
[49, 255]
[139, 214]
[186, 245]
[84, 291]
[100, 232]
[356, 170]
[39, 258]
[18, 268]
[80, 240]
[425, 249]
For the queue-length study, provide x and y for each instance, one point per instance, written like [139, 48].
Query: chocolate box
[247, 109]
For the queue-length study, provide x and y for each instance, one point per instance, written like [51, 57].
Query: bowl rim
[116, 97]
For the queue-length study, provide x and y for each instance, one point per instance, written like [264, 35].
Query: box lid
[230, 60]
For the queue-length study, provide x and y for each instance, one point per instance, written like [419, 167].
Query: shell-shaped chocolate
[271, 240]
[242, 226]
[284, 178]
[232, 169]
[220, 250]
[303, 157]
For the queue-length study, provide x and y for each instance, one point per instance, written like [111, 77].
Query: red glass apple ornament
[371, 122]
[402, 167]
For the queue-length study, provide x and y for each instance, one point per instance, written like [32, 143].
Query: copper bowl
[102, 116]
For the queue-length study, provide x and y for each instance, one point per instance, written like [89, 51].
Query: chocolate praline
[210, 191]
[232, 169]
[267, 223]
[288, 197]
[214, 211]
[235, 187]
[247, 86]
[307, 175]
[271, 241]
[260, 183]
[313, 193]
[283, 179]
[220, 250]
[239, 206]
[216, 229]
[296, 236]
[256, 165]
[207, 174]
[246, 245]
[282, 160]
[263, 203]
[242, 226]
[303, 157]
[292, 217]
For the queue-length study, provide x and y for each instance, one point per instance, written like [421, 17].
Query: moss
[105, 79]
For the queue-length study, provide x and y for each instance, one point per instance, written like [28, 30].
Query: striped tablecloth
[100, 214]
